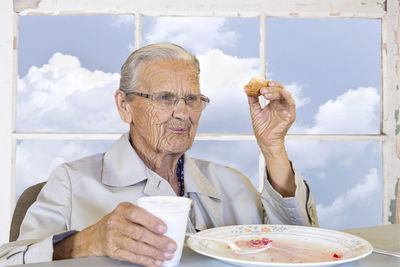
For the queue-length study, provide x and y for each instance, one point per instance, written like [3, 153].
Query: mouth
[178, 130]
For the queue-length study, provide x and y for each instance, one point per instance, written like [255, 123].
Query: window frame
[386, 11]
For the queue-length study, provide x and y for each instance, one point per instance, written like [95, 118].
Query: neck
[162, 163]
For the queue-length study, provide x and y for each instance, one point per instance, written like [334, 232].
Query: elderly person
[87, 207]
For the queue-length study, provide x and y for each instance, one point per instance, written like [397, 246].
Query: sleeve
[46, 222]
[297, 210]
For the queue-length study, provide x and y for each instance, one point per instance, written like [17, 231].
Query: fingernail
[171, 247]
[268, 95]
[161, 228]
[168, 255]
[159, 263]
[271, 83]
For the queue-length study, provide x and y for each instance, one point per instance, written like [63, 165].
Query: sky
[69, 69]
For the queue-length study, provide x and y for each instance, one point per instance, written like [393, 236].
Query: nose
[181, 110]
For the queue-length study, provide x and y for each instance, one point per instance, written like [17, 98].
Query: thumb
[254, 104]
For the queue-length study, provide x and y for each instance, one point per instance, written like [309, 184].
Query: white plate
[291, 245]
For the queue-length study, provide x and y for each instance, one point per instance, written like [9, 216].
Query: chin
[177, 147]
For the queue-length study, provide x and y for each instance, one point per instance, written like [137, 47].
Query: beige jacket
[80, 193]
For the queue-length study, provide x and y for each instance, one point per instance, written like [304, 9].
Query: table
[385, 237]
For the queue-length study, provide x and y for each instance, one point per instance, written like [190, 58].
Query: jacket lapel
[207, 204]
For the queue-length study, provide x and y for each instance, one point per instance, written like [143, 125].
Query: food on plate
[254, 243]
[337, 256]
[254, 86]
[259, 243]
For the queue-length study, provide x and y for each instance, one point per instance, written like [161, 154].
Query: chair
[24, 202]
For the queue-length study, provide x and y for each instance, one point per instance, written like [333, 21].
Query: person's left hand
[271, 123]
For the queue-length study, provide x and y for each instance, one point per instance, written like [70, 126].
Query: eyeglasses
[167, 100]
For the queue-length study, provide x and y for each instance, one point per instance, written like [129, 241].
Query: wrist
[273, 150]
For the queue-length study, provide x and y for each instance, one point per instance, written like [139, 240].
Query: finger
[254, 104]
[288, 98]
[271, 93]
[275, 84]
[140, 233]
[144, 249]
[124, 255]
[138, 215]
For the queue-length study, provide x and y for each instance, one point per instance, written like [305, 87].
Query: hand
[129, 233]
[271, 123]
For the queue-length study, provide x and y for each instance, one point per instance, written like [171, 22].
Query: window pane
[345, 180]
[36, 159]
[227, 49]
[240, 155]
[69, 70]
[333, 69]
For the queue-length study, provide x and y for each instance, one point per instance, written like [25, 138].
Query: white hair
[129, 81]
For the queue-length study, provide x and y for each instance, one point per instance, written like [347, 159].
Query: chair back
[24, 202]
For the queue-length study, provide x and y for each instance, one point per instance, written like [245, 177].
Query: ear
[124, 109]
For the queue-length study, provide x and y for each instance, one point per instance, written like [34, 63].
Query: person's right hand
[129, 233]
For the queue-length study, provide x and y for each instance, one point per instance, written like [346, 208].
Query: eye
[191, 98]
[167, 97]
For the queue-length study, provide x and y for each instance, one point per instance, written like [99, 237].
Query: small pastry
[254, 86]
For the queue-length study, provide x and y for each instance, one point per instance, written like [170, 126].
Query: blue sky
[69, 69]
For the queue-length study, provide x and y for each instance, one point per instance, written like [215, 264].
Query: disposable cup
[174, 212]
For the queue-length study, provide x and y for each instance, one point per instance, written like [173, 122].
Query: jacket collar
[123, 167]
[121, 164]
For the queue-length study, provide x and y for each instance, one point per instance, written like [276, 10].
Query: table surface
[385, 237]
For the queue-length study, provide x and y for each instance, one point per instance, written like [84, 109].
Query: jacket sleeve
[297, 210]
[46, 222]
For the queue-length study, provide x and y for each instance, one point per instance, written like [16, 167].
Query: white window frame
[386, 11]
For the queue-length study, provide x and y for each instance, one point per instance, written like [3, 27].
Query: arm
[285, 194]
[46, 217]
[129, 233]
[270, 125]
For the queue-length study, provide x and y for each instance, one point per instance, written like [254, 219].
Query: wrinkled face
[166, 130]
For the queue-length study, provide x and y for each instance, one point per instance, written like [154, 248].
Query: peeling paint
[15, 43]
[20, 5]
[398, 146]
[373, 9]
[395, 204]
[396, 117]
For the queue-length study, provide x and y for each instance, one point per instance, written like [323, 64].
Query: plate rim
[190, 241]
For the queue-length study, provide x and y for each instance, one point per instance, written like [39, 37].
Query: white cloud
[340, 211]
[222, 78]
[64, 96]
[353, 112]
[196, 34]
[297, 93]
[122, 20]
